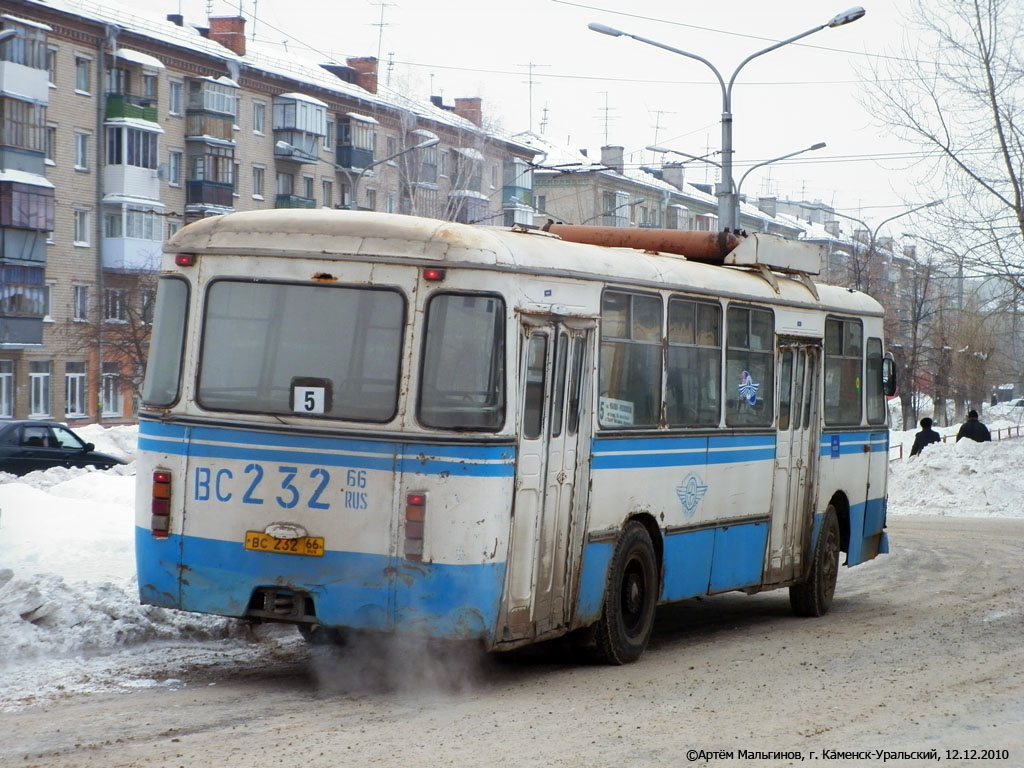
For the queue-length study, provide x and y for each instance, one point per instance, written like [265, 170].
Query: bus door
[795, 461]
[550, 497]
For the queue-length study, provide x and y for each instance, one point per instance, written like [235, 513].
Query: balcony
[124, 106]
[512, 195]
[354, 157]
[294, 201]
[209, 193]
[21, 331]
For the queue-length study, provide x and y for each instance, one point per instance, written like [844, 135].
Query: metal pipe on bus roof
[697, 246]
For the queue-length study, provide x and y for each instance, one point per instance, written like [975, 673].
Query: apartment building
[116, 130]
[612, 190]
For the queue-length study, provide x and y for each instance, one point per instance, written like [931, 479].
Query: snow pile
[962, 478]
[67, 562]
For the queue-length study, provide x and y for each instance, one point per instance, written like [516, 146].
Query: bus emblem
[747, 388]
[690, 493]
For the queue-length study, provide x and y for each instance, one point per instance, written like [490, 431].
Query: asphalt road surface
[922, 651]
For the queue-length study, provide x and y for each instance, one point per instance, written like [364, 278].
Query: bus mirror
[888, 376]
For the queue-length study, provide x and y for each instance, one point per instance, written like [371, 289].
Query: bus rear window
[163, 369]
[261, 338]
[462, 384]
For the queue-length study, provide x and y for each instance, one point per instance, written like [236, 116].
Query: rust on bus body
[698, 246]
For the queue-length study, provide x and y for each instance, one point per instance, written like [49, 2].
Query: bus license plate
[312, 546]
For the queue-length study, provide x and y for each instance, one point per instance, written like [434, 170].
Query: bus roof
[367, 235]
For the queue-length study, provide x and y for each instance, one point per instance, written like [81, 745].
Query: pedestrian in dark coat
[974, 429]
[926, 436]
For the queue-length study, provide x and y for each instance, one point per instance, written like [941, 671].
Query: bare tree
[122, 330]
[957, 90]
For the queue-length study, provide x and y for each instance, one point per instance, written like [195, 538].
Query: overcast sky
[590, 89]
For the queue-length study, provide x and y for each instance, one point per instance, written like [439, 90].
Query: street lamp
[430, 141]
[859, 272]
[728, 199]
[706, 159]
[812, 148]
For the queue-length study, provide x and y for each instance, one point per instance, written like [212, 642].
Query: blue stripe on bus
[349, 589]
[852, 443]
[415, 458]
[677, 451]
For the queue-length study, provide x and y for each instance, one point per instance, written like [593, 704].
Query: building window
[22, 124]
[26, 206]
[6, 388]
[175, 105]
[115, 305]
[371, 199]
[23, 291]
[80, 303]
[47, 294]
[329, 136]
[147, 303]
[81, 228]
[51, 66]
[74, 390]
[259, 117]
[39, 389]
[111, 389]
[307, 187]
[83, 74]
[51, 145]
[81, 152]
[149, 87]
[236, 177]
[130, 146]
[174, 159]
[257, 182]
[173, 225]
[285, 184]
[327, 192]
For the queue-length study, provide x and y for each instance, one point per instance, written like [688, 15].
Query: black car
[29, 445]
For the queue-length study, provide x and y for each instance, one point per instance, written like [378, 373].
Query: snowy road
[922, 650]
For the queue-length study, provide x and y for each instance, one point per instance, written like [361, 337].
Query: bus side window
[749, 367]
[873, 383]
[693, 391]
[844, 363]
[630, 377]
[533, 395]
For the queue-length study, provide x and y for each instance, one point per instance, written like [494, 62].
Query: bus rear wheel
[814, 596]
[631, 595]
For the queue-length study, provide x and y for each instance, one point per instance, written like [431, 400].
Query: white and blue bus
[357, 421]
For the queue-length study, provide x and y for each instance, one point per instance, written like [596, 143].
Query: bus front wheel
[814, 596]
[631, 595]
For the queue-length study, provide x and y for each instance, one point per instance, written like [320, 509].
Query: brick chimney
[673, 173]
[229, 31]
[611, 156]
[769, 206]
[366, 72]
[470, 109]
[832, 227]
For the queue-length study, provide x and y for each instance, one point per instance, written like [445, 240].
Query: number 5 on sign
[308, 399]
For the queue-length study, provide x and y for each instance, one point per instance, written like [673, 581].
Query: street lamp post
[861, 283]
[353, 204]
[739, 185]
[728, 198]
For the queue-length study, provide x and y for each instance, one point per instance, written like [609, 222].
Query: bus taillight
[161, 505]
[415, 515]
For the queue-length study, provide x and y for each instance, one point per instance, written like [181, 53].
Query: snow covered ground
[68, 597]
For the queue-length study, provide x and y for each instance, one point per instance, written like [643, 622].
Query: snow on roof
[296, 66]
[24, 177]
[138, 57]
